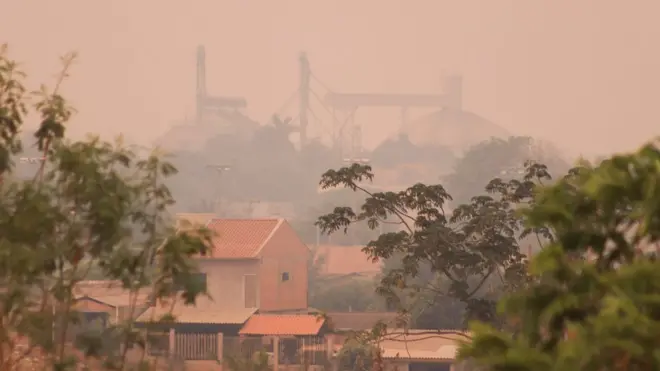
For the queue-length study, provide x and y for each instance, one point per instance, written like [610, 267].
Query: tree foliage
[89, 205]
[259, 361]
[460, 249]
[497, 158]
[356, 356]
[593, 301]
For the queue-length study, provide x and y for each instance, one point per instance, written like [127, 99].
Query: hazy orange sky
[584, 74]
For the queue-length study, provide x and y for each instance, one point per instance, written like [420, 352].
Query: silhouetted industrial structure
[340, 125]
[206, 103]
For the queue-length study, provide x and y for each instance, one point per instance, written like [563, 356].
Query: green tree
[89, 206]
[341, 294]
[259, 361]
[355, 355]
[458, 252]
[498, 158]
[594, 301]
[346, 295]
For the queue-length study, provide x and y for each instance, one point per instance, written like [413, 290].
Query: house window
[285, 276]
[250, 290]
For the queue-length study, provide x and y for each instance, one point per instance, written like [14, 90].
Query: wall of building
[284, 253]
[225, 280]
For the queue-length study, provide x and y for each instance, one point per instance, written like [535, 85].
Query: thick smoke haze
[583, 74]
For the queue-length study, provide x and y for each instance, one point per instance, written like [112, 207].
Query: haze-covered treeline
[264, 174]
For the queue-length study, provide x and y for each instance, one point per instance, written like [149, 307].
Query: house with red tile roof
[252, 264]
[256, 263]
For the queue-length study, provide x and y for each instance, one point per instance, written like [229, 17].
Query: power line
[318, 81]
[318, 99]
[288, 101]
[325, 129]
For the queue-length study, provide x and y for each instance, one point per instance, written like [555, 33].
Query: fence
[308, 350]
[196, 346]
[187, 346]
[235, 346]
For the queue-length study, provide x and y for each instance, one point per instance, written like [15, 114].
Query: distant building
[193, 137]
[453, 128]
[337, 261]
[422, 350]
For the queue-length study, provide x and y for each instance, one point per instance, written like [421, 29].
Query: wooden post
[220, 348]
[331, 346]
[172, 343]
[276, 353]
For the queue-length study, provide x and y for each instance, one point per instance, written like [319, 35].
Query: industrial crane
[348, 104]
[336, 104]
[207, 103]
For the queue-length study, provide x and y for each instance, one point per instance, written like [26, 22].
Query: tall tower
[303, 104]
[200, 97]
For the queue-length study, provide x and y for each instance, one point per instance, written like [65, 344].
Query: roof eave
[212, 258]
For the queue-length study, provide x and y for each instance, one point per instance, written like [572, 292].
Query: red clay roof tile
[240, 238]
[292, 324]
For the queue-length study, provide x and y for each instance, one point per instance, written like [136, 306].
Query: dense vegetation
[489, 181]
[592, 303]
[88, 206]
[588, 301]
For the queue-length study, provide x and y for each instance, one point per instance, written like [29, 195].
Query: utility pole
[251, 207]
[200, 97]
[220, 169]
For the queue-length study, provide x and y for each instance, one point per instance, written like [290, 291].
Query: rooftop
[111, 293]
[361, 321]
[204, 311]
[241, 238]
[291, 324]
[423, 344]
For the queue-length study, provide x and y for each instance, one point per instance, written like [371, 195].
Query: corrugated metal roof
[423, 344]
[110, 292]
[292, 324]
[241, 238]
[120, 299]
[205, 311]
